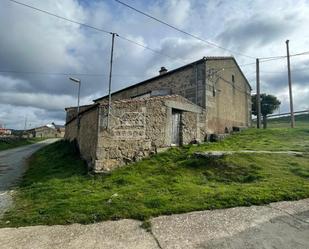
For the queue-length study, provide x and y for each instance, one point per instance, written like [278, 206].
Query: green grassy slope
[277, 139]
[302, 121]
[4, 145]
[57, 189]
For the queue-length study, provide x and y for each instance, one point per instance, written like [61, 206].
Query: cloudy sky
[38, 50]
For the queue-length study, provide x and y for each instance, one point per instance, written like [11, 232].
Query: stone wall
[71, 130]
[187, 82]
[85, 133]
[71, 112]
[45, 132]
[138, 128]
[88, 135]
[228, 103]
[193, 128]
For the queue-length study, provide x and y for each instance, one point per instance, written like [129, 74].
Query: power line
[64, 74]
[141, 45]
[184, 32]
[86, 74]
[283, 56]
[135, 42]
[294, 70]
[151, 49]
[127, 75]
[49, 73]
[61, 17]
[264, 59]
[94, 28]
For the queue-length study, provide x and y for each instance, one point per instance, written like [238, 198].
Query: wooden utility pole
[258, 97]
[290, 85]
[25, 126]
[110, 80]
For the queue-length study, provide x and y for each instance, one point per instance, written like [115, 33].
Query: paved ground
[283, 225]
[12, 167]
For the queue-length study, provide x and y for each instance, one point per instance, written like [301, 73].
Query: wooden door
[175, 127]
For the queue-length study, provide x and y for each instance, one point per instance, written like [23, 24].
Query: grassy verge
[302, 121]
[13, 143]
[57, 190]
[282, 139]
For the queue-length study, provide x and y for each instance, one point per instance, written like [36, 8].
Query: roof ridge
[142, 99]
[204, 58]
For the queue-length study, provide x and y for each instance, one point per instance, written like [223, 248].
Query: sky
[39, 52]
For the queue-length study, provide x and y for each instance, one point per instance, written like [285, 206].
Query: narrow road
[12, 166]
[283, 225]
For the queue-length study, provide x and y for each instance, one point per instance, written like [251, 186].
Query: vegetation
[17, 142]
[283, 139]
[302, 121]
[269, 103]
[57, 189]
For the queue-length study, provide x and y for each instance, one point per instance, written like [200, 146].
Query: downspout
[196, 102]
[97, 137]
[205, 96]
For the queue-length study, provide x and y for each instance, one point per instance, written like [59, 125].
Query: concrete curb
[277, 225]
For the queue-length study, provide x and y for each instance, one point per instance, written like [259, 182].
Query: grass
[56, 189]
[13, 143]
[302, 121]
[282, 139]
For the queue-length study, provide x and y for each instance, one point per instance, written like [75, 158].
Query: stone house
[181, 106]
[47, 131]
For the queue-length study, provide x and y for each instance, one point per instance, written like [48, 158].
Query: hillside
[57, 189]
[302, 121]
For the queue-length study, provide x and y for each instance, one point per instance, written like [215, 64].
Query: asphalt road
[282, 225]
[12, 166]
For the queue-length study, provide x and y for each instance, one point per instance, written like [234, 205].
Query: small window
[233, 78]
[213, 92]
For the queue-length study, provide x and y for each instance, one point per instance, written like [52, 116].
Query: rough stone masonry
[177, 107]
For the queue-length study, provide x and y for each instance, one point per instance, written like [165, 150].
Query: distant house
[60, 129]
[47, 131]
[5, 132]
[181, 106]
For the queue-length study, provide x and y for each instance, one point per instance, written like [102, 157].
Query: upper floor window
[233, 78]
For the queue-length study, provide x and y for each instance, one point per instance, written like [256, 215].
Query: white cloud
[177, 11]
[38, 100]
[33, 41]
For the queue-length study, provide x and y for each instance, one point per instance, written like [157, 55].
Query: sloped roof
[154, 98]
[58, 126]
[178, 69]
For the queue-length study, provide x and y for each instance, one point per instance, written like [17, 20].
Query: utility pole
[79, 82]
[290, 85]
[258, 96]
[110, 80]
[25, 127]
